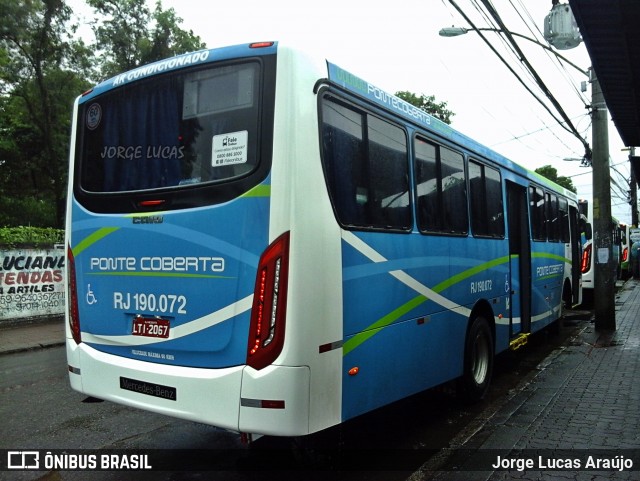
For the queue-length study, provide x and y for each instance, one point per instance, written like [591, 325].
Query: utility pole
[634, 191]
[604, 280]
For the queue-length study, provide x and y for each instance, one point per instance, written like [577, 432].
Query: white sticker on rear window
[230, 149]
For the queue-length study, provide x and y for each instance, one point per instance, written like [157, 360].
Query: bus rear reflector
[150, 203]
[262, 403]
[266, 331]
[586, 259]
[74, 314]
[260, 44]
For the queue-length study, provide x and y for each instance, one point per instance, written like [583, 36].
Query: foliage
[43, 67]
[40, 75]
[17, 211]
[129, 34]
[32, 236]
[551, 173]
[428, 104]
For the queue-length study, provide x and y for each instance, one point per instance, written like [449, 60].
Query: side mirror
[585, 227]
[588, 231]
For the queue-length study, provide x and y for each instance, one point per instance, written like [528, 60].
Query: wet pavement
[577, 419]
[26, 335]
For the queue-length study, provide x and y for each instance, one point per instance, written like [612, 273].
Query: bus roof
[415, 115]
[182, 61]
[337, 75]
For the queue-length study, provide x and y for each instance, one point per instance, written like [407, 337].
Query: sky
[397, 47]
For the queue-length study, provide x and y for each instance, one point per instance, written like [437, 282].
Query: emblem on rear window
[149, 219]
[94, 115]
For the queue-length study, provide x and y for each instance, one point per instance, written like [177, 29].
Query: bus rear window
[172, 131]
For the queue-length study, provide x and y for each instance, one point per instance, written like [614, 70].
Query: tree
[43, 67]
[428, 104]
[551, 173]
[41, 72]
[129, 34]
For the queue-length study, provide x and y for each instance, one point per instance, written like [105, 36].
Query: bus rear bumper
[272, 401]
[275, 401]
[208, 396]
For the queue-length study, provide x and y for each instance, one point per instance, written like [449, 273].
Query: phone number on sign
[26, 302]
[164, 303]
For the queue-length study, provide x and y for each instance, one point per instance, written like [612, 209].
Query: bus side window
[366, 168]
[537, 213]
[563, 208]
[427, 186]
[340, 153]
[388, 174]
[440, 189]
[454, 192]
[487, 217]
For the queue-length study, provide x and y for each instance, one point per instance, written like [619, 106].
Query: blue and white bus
[264, 242]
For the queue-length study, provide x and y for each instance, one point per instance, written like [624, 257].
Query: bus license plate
[150, 327]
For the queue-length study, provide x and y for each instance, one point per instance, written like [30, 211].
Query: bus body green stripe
[550, 276]
[469, 273]
[92, 239]
[544, 255]
[261, 190]
[394, 315]
[374, 328]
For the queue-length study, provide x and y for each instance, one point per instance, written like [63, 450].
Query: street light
[584, 162]
[457, 31]
[567, 124]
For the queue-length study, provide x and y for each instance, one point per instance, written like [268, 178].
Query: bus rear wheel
[478, 362]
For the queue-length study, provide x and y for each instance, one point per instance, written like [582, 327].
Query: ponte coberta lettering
[165, 264]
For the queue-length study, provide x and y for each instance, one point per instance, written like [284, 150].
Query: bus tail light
[586, 259]
[625, 254]
[266, 331]
[74, 314]
[261, 44]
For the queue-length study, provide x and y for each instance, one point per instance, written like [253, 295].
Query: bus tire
[478, 361]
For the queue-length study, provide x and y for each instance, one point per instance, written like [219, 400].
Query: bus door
[576, 253]
[520, 259]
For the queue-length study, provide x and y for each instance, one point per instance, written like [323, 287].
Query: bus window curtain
[142, 134]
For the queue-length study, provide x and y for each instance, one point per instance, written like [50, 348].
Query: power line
[589, 172]
[526, 134]
[537, 77]
[513, 46]
[560, 66]
[545, 106]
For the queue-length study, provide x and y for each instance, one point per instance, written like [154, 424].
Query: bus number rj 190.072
[164, 303]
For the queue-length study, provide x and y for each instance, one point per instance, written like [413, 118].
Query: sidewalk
[583, 407]
[32, 335]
